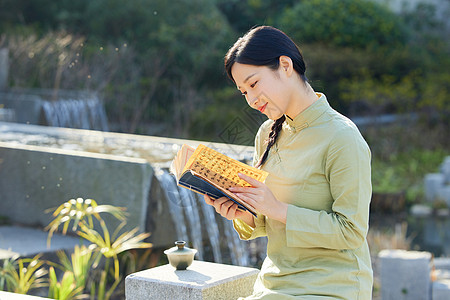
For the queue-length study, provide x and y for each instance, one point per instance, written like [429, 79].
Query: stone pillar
[4, 68]
[201, 280]
[433, 183]
[437, 185]
[441, 290]
[445, 169]
[405, 275]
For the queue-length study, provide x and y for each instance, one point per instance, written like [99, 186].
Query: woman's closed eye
[252, 86]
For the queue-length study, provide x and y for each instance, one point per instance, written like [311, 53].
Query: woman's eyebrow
[248, 77]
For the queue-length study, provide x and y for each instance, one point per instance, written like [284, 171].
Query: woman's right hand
[229, 210]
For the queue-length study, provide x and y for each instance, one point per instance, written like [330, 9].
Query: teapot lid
[180, 249]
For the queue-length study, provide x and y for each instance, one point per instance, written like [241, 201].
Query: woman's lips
[262, 108]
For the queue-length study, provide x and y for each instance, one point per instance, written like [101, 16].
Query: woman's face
[263, 88]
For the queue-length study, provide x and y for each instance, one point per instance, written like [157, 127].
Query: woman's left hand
[261, 198]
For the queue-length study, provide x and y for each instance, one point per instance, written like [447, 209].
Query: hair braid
[273, 135]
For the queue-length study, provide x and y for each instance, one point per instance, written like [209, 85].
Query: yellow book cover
[207, 171]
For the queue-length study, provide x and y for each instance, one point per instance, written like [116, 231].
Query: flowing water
[76, 113]
[62, 108]
[193, 218]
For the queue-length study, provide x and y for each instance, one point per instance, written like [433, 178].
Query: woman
[314, 205]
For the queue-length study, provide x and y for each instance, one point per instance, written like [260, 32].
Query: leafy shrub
[80, 272]
[346, 23]
[386, 95]
[244, 14]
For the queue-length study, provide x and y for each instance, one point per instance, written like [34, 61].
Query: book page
[180, 160]
[221, 169]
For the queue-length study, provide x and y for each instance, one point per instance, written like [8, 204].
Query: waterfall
[174, 201]
[190, 214]
[193, 218]
[86, 113]
[212, 229]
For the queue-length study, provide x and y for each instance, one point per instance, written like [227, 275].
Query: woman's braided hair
[263, 46]
[273, 135]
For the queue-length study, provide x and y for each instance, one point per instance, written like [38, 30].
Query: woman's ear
[286, 65]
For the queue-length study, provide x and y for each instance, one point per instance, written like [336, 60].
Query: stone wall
[34, 179]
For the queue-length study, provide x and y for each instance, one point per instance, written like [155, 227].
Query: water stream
[62, 108]
[76, 113]
[193, 217]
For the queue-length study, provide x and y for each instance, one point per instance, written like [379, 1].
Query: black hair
[263, 46]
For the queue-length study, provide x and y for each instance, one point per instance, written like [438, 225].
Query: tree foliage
[345, 23]
[158, 61]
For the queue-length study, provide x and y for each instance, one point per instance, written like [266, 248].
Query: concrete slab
[13, 296]
[201, 280]
[26, 242]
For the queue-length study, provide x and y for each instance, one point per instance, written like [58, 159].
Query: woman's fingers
[208, 200]
[252, 181]
[227, 211]
[219, 203]
[223, 206]
[238, 189]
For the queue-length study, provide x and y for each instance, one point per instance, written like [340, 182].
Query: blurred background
[156, 69]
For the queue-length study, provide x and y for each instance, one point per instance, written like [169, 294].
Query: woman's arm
[348, 171]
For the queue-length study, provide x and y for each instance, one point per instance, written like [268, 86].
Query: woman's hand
[261, 198]
[228, 209]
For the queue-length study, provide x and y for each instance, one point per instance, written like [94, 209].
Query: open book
[207, 171]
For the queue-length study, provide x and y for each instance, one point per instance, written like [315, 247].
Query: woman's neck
[302, 97]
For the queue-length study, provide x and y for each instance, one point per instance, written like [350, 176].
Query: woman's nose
[252, 100]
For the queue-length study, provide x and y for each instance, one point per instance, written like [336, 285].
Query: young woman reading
[314, 205]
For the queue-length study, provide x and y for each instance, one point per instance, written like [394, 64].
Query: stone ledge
[13, 296]
[202, 280]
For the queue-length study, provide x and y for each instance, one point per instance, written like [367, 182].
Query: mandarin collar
[309, 115]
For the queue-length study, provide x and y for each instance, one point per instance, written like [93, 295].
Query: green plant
[404, 170]
[384, 95]
[345, 23]
[440, 204]
[134, 261]
[80, 263]
[85, 259]
[110, 246]
[22, 275]
[66, 289]
[77, 210]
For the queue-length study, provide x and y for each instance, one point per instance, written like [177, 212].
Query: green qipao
[320, 166]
